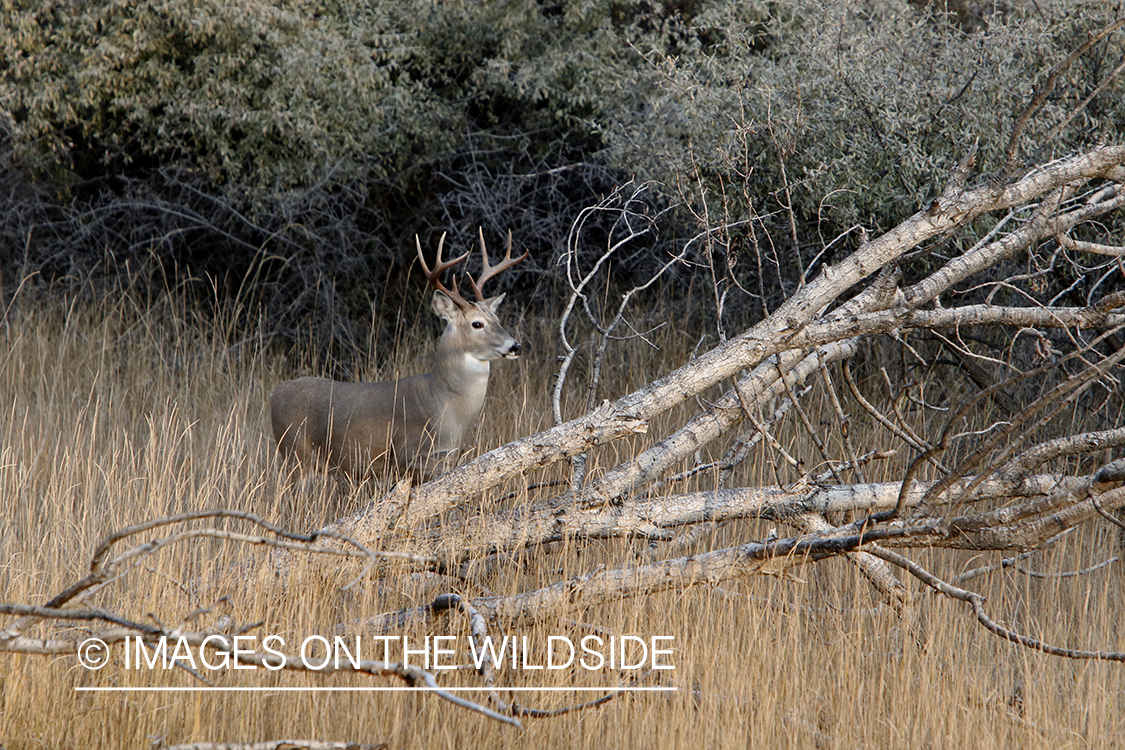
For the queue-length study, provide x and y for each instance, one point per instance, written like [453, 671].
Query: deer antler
[487, 270]
[440, 267]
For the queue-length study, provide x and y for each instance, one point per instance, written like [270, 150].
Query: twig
[976, 602]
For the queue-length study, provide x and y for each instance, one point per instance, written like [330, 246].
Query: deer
[411, 426]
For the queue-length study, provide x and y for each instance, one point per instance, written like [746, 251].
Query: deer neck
[462, 375]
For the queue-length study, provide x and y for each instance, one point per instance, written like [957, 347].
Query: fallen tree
[807, 317]
[812, 329]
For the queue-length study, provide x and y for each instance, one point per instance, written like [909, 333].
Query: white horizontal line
[404, 689]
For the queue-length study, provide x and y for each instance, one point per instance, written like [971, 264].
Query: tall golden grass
[114, 412]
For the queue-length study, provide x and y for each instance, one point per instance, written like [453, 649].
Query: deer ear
[444, 306]
[493, 303]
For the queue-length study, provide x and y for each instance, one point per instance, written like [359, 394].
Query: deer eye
[478, 324]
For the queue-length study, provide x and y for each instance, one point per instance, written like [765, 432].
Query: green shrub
[868, 101]
[205, 134]
[258, 92]
[869, 104]
[273, 94]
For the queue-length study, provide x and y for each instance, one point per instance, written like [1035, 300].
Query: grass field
[117, 411]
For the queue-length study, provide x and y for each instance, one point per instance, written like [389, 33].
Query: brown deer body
[414, 424]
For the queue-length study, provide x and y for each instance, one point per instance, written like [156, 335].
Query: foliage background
[278, 157]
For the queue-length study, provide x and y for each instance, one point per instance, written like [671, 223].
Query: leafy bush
[274, 121]
[270, 94]
[258, 92]
[860, 109]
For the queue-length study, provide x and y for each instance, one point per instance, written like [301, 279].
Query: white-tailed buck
[414, 424]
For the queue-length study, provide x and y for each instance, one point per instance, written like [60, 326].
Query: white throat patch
[477, 366]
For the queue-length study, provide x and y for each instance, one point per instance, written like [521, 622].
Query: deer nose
[515, 350]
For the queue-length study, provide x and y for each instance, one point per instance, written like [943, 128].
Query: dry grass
[116, 414]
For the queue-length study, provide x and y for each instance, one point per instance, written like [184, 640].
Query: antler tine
[440, 267]
[487, 270]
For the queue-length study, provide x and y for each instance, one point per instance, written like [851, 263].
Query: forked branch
[105, 570]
